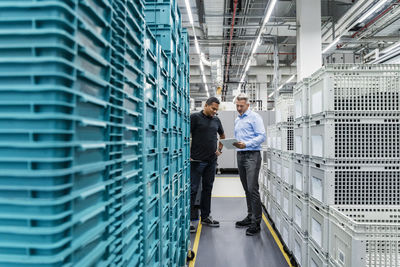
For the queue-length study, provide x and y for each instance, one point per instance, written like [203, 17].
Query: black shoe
[192, 229]
[253, 230]
[209, 221]
[246, 222]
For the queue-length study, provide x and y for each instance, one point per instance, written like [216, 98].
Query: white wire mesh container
[285, 231]
[274, 210]
[276, 167]
[298, 246]
[300, 213]
[266, 155]
[318, 227]
[301, 139]
[284, 108]
[355, 182]
[267, 202]
[300, 98]
[286, 202]
[285, 132]
[364, 236]
[300, 177]
[286, 167]
[275, 189]
[316, 258]
[263, 178]
[352, 138]
[271, 136]
[355, 90]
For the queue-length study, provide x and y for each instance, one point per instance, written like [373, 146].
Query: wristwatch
[219, 150]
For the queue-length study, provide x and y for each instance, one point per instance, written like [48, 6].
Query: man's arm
[220, 145]
[221, 136]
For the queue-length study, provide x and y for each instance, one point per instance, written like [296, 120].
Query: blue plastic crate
[135, 23]
[165, 247]
[46, 244]
[138, 6]
[163, 60]
[173, 70]
[162, 14]
[152, 166]
[175, 191]
[151, 90]
[150, 43]
[151, 118]
[133, 75]
[152, 247]
[165, 176]
[164, 99]
[174, 136]
[164, 159]
[164, 120]
[150, 66]
[165, 141]
[131, 164]
[163, 82]
[151, 141]
[175, 122]
[153, 188]
[167, 38]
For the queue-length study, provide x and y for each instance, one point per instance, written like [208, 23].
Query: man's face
[211, 110]
[241, 106]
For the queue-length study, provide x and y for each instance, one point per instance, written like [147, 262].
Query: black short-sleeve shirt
[204, 131]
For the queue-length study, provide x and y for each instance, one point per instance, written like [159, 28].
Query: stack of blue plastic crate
[127, 97]
[55, 203]
[71, 156]
[184, 85]
[164, 20]
[94, 134]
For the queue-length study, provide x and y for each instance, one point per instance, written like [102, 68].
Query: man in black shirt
[204, 126]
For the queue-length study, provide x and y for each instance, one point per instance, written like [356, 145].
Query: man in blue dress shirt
[250, 133]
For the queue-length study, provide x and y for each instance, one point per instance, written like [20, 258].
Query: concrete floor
[228, 245]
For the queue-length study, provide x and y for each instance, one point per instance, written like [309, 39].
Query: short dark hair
[212, 100]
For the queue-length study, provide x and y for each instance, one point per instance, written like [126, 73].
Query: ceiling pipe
[230, 40]
[372, 21]
[280, 53]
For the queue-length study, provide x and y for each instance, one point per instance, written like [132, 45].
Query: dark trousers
[249, 163]
[204, 172]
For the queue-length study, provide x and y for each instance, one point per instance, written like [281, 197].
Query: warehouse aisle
[227, 245]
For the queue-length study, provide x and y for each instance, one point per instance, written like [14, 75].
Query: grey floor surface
[228, 246]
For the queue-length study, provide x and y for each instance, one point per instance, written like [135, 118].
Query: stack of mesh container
[344, 174]
[88, 154]
[354, 157]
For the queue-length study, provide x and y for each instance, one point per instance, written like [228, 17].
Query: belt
[248, 151]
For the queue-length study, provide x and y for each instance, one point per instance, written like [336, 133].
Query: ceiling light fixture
[257, 42]
[196, 44]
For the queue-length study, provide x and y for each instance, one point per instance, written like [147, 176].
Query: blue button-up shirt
[249, 129]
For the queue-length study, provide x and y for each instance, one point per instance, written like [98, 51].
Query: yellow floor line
[278, 242]
[196, 244]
